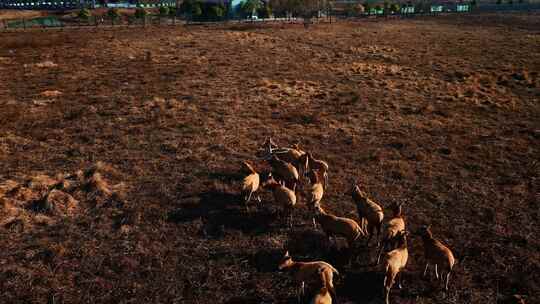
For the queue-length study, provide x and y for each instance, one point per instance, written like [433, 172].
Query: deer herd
[296, 173]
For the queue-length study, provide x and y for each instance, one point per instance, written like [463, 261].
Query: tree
[186, 6]
[196, 10]
[386, 7]
[394, 8]
[264, 11]
[278, 7]
[249, 7]
[113, 13]
[350, 9]
[304, 8]
[191, 8]
[367, 7]
[84, 14]
[140, 13]
[308, 8]
[163, 10]
[216, 11]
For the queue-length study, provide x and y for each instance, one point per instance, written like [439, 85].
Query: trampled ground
[443, 113]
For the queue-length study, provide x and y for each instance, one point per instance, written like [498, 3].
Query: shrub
[394, 7]
[172, 11]
[216, 11]
[249, 7]
[186, 7]
[140, 13]
[163, 10]
[350, 9]
[196, 9]
[386, 7]
[84, 14]
[113, 13]
[367, 7]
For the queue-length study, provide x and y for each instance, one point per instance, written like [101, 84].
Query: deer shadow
[257, 300]
[361, 286]
[221, 210]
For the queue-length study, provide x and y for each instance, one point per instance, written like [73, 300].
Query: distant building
[70, 4]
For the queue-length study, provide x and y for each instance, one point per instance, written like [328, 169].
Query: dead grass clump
[42, 199]
[62, 203]
[24, 194]
[290, 88]
[51, 93]
[13, 223]
[41, 182]
[95, 187]
[375, 68]
[41, 102]
[98, 189]
[46, 64]
[162, 104]
[398, 169]
[8, 186]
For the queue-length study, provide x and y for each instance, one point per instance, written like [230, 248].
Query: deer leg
[290, 218]
[247, 200]
[425, 270]
[371, 228]
[387, 294]
[380, 253]
[379, 233]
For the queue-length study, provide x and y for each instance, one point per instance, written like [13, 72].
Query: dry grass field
[442, 112]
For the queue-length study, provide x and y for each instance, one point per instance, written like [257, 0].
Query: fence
[94, 21]
[153, 20]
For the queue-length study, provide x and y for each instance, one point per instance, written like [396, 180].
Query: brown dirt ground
[441, 112]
